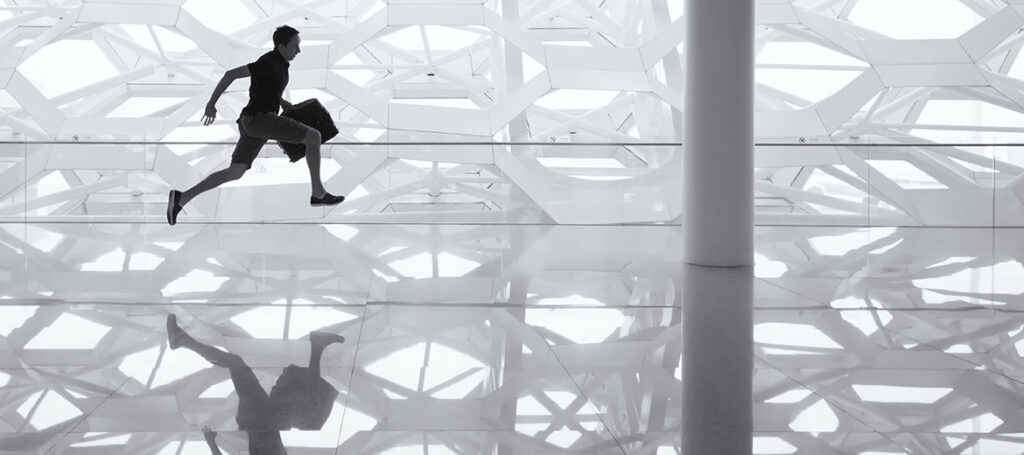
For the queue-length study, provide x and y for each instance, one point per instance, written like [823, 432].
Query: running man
[259, 123]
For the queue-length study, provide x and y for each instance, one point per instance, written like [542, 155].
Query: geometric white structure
[482, 71]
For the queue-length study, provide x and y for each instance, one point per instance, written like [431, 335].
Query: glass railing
[904, 184]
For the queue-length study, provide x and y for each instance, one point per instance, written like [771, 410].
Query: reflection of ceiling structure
[874, 340]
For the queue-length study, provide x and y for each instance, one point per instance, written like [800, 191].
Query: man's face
[290, 50]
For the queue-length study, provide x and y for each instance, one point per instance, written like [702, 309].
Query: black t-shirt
[268, 78]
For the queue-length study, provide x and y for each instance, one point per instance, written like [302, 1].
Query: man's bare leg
[233, 172]
[177, 199]
[177, 338]
[312, 143]
[318, 341]
[319, 195]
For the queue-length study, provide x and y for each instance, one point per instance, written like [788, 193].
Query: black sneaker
[328, 199]
[175, 336]
[173, 206]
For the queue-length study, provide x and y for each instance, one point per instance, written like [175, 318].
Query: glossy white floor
[499, 339]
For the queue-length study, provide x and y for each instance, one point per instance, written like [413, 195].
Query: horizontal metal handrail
[547, 144]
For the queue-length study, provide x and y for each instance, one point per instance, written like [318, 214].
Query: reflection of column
[718, 359]
[718, 167]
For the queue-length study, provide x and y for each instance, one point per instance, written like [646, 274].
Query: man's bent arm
[229, 77]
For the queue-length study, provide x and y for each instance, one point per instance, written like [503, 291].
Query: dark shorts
[255, 411]
[257, 129]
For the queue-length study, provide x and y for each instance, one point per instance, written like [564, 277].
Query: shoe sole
[323, 204]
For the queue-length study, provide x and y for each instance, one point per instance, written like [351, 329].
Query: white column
[718, 156]
[718, 226]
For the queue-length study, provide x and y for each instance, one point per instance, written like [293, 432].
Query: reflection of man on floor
[300, 398]
[259, 122]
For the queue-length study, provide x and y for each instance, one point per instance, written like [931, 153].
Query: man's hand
[209, 434]
[210, 115]
[211, 440]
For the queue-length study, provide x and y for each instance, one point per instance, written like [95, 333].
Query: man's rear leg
[319, 195]
[177, 338]
[233, 172]
[318, 341]
[177, 199]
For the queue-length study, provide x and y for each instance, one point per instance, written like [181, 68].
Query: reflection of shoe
[327, 199]
[175, 335]
[173, 206]
[324, 338]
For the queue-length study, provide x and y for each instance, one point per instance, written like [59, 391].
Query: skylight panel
[342, 231]
[771, 445]
[819, 417]
[225, 16]
[798, 335]
[262, 322]
[803, 53]
[13, 317]
[140, 365]
[900, 394]
[421, 265]
[790, 396]
[399, 366]
[576, 99]
[915, 19]
[1009, 280]
[196, 281]
[601, 322]
[42, 239]
[177, 364]
[767, 268]
[52, 408]
[865, 320]
[582, 163]
[109, 262]
[221, 389]
[69, 331]
[46, 68]
[445, 364]
[968, 112]
[305, 319]
[446, 39]
[838, 245]
[107, 441]
[812, 85]
[564, 438]
[144, 261]
[571, 300]
[142, 106]
[984, 423]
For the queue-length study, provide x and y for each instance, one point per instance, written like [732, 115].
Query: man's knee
[230, 360]
[236, 171]
[312, 137]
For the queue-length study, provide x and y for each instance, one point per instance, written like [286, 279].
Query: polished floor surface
[497, 339]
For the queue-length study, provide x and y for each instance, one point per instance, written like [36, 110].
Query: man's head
[286, 41]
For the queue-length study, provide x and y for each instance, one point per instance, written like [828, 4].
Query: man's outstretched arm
[211, 441]
[229, 77]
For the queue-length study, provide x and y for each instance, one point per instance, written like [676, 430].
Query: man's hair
[284, 34]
